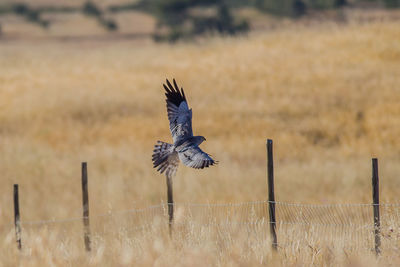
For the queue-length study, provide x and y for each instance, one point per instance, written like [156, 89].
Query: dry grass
[328, 95]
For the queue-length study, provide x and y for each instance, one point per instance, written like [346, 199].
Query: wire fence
[347, 225]
[281, 224]
[289, 213]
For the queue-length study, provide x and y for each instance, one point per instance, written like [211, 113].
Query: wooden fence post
[375, 199]
[271, 195]
[85, 202]
[170, 202]
[17, 220]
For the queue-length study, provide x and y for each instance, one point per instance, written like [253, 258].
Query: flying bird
[185, 147]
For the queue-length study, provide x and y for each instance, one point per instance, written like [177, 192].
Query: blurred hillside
[174, 19]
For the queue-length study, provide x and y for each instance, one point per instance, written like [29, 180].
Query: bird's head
[198, 139]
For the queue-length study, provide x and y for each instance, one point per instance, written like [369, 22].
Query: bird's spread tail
[165, 158]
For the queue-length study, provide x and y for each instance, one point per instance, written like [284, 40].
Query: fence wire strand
[292, 213]
[348, 223]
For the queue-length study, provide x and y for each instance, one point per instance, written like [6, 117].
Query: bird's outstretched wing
[179, 114]
[194, 157]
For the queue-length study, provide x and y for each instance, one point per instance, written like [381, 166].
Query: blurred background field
[324, 86]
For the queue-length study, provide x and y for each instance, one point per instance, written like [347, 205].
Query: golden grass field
[328, 95]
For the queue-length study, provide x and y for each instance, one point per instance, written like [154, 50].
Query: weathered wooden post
[375, 199]
[271, 195]
[85, 202]
[170, 202]
[17, 221]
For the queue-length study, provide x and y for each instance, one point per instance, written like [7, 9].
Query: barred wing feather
[194, 157]
[179, 114]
